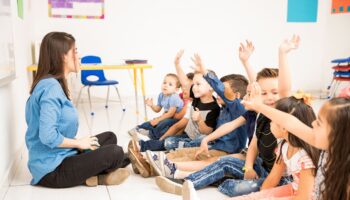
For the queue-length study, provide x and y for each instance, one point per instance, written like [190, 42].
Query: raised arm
[287, 121]
[245, 51]
[185, 83]
[284, 77]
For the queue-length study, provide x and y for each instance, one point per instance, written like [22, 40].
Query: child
[262, 144]
[203, 112]
[230, 90]
[294, 156]
[168, 100]
[330, 132]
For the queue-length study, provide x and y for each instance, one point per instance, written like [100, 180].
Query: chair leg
[107, 99]
[92, 113]
[120, 99]
[78, 99]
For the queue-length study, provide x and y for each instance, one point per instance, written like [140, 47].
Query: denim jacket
[235, 141]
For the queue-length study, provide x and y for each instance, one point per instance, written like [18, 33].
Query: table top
[104, 66]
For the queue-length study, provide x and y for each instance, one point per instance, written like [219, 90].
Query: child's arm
[211, 78]
[155, 108]
[182, 112]
[287, 121]
[244, 53]
[274, 176]
[202, 126]
[284, 77]
[174, 129]
[171, 112]
[221, 131]
[306, 184]
[250, 159]
[185, 83]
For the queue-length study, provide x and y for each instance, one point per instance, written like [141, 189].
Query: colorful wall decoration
[302, 10]
[340, 6]
[84, 9]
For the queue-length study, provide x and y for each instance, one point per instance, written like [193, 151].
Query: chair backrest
[93, 60]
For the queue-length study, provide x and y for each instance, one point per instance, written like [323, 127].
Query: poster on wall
[7, 58]
[302, 11]
[83, 9]
[340, 6]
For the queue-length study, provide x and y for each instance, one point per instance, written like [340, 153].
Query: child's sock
[179, 174]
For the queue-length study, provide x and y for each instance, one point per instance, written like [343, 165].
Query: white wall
[157, 29]
[12, 99]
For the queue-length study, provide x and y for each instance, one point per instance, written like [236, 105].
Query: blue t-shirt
[235, 141]
[50, 117]
[173, 100]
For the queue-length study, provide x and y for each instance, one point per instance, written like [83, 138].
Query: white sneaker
[161, 164]
[168, 186]
[144, 132]
[133, 131]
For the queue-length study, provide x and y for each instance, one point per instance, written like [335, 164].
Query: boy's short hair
[209, 71]
[267, 73]
[237, 82]
[176, 78]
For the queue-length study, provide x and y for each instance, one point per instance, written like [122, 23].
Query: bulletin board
[85, 9]
[7, 58]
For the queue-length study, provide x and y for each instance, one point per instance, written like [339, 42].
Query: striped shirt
[298, 162]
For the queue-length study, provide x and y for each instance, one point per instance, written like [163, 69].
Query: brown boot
[132, 146]
[116, 177]
[140, 163]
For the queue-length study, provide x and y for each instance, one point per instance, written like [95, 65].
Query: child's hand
[250, 174]
[154, 122]
[196, 115]
[288, 45]
[251, 102]
[178, 57]
[245, 51]
[199, 67]
[149, 102]
[203, 149]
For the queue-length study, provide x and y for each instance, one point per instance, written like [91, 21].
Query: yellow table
[134, 67]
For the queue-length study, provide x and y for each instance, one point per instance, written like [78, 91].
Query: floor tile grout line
[109, 195]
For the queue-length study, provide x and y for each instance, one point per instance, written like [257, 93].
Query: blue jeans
[229, 166]
[152, 145]
[182, 141]
[155, 132]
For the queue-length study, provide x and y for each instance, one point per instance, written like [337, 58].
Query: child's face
[321, 129]
[269, 90]
[200, 86]
[169, 85]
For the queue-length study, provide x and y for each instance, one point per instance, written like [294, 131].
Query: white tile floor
[135, 187]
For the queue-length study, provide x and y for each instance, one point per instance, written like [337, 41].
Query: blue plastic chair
[101, 80]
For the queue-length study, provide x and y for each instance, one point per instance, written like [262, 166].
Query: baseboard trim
[10, 172]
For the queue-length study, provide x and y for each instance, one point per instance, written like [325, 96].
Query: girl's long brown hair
[52, 50]
[305, 114]
[337, 168]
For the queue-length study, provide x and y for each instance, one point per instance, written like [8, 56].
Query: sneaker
[133, 131]
[188, 191]
[161, 164]
[144, 132]
[155, 161]
[133, 146]
[168, 186]
[139, 163]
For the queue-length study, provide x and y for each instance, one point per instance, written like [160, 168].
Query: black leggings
[74, 170]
